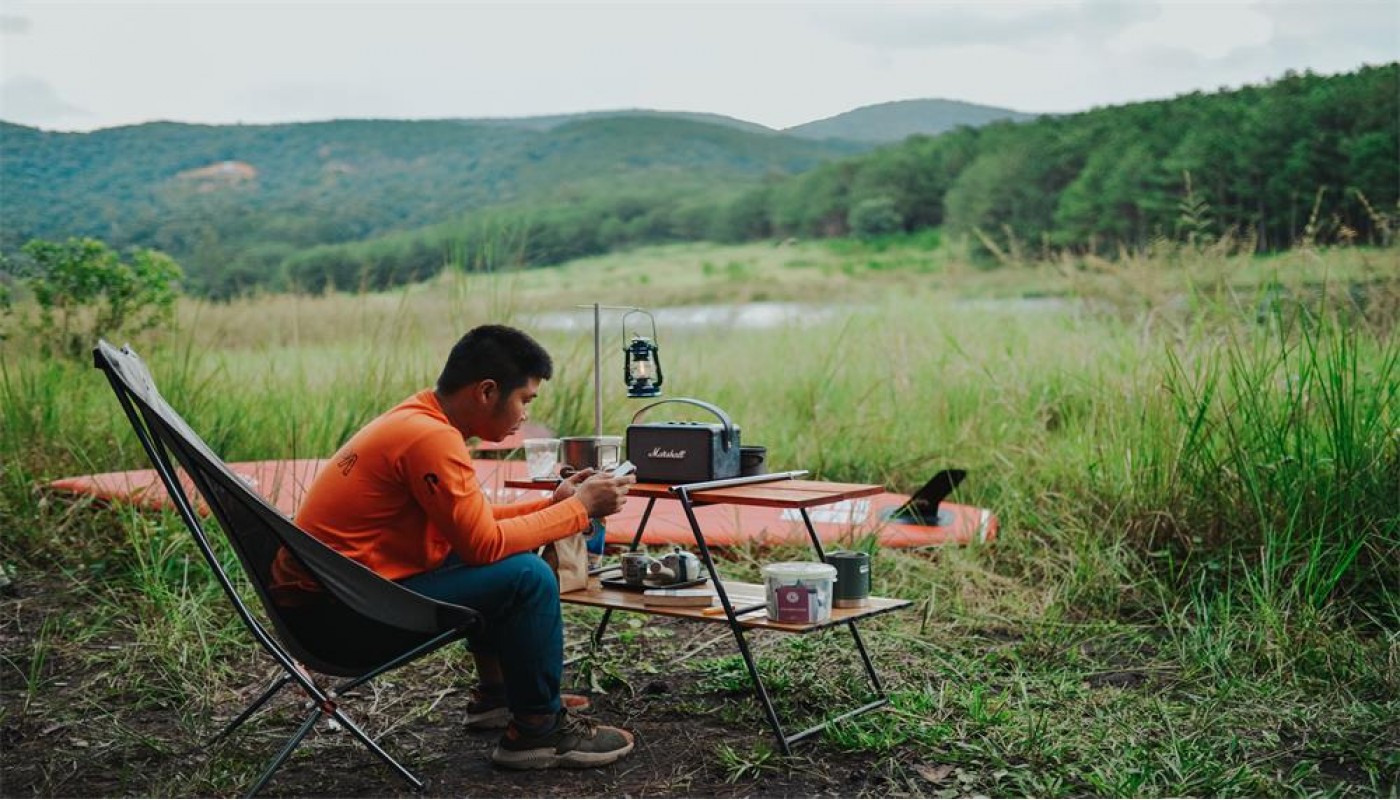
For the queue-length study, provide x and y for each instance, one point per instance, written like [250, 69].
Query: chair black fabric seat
[359, 626]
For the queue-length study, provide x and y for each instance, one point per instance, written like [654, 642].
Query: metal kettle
[685, 566]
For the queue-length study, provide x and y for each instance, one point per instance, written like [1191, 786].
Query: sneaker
[488, 712]
[575, 742]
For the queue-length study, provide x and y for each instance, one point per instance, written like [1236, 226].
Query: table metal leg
[812, 532]
[869, 665]
[636, 540]
[734, 626]
[646, 515]
[785, 742]
[855, 634]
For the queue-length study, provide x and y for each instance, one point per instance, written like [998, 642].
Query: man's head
[491, 374]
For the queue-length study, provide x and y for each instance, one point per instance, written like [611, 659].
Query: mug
[852, 577]
[635, 566]
[752, 459]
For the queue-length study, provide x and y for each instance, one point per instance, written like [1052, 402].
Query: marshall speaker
[683, 452]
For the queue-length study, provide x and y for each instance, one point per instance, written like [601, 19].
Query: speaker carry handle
[727, 438]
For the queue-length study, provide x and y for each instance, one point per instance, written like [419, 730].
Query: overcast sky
[85, 65]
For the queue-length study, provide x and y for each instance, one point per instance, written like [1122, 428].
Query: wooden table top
[775, 494]
[740, 595]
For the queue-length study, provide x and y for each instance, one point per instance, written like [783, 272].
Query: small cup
[852, 578]
[542, 458]
[635, 566]
[752, 460]
[609, 451]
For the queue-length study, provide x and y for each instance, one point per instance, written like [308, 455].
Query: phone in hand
[625, 468]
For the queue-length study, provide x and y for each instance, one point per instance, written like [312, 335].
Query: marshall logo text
[674, 455]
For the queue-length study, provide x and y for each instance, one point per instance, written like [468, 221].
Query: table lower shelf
[740, 595]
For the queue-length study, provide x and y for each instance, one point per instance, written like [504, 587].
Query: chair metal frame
[158, 427]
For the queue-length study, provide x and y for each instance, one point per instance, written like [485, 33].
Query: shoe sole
[546, 758]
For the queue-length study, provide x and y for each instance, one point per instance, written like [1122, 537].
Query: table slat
[740, 594]
[778, 494]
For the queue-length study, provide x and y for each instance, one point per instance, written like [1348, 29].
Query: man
[402, 498]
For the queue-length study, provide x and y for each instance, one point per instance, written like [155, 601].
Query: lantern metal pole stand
[597, 371]
[598, 361]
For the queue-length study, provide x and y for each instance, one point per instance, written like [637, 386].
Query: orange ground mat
[284, 484]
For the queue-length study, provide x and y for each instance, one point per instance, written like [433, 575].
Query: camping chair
[391, 625]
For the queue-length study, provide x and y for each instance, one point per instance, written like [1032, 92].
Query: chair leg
[307, 726]
[286, 751]
[376, 749]
[248, 712]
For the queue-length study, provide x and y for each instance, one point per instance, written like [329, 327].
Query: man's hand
[569, 485]
[602, 494]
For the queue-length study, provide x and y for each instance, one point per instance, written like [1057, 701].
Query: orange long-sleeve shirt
[402, 494]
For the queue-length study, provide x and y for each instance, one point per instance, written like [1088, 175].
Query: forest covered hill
[1305, 159]
[233, 201]
[171, 186]
[353, 204]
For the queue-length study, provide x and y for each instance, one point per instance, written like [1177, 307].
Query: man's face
[509, 412]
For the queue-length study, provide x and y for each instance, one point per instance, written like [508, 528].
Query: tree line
[1306, 158]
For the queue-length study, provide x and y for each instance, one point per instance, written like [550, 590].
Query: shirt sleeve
[508, 510]
[438, 469]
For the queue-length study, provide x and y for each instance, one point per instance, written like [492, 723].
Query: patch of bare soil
[62, 734]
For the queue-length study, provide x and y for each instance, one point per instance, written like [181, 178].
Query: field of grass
[1195, 457]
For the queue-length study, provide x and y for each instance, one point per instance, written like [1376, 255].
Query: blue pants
[518, 598]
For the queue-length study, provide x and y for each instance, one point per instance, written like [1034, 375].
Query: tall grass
[1175, 472]
[1290, 447]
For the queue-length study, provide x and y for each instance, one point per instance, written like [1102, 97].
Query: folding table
[743, 605]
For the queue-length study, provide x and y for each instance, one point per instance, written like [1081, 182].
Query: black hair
[495, 352]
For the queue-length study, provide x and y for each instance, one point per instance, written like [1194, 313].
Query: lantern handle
[638, 311]
[730, 434]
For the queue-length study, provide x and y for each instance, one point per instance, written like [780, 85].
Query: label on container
[797, 603]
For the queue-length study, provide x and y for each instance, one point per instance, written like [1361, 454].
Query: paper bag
[568, 557]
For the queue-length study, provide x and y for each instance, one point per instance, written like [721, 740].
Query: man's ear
[488, 391]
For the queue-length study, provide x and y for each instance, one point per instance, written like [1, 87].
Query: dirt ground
[77, 735]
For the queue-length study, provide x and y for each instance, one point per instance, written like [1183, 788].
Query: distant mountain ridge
[900, 119]
[546, 122]
[881, 123]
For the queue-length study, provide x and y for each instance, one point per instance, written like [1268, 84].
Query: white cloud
[923, 25]
[13, 24]
[1207, 30]
[31, 101]
[779, 64]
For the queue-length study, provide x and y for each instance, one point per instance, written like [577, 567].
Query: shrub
[85, 290]
[874, 217]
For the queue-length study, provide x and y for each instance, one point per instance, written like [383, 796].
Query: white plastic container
[799, 591]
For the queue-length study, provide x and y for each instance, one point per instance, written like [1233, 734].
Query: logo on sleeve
[347, 462]
[432, 480]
